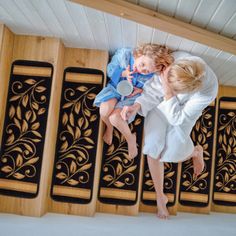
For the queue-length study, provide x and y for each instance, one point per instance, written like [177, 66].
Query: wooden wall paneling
[114, 27]
[162, 22]
[1, 34]
[6, 46]
[226, 91]
[144, 34]
[98, 27]
[223, 196]
[70, 196]
[39, 51]
[201, 17]
[184, 11]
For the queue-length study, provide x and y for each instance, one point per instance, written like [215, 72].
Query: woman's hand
[136, 91]
[168, 92]
[128, 74]
[128, 111]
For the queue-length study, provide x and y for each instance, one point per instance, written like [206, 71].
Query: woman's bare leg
[157, 172]
[106, 109]
[122, 126]
[198, 161]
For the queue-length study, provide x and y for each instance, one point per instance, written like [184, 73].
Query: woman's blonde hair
[186, 76]
[161, 55]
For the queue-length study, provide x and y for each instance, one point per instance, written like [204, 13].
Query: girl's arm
[135, 92]
[118, 64]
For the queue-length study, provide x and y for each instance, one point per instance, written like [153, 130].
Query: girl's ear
[160, 68]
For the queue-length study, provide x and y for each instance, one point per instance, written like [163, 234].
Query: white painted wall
[83, 27]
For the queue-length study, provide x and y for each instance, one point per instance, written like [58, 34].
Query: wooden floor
[184, 224]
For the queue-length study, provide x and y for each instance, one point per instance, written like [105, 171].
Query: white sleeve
[177, 113]
[149, 99]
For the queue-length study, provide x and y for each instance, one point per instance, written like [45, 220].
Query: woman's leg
[179, 147]
[155, 128]
[122, 126]
[157, 172]
[198, 160]
[106, 109]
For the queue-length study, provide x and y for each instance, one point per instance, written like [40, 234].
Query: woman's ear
[165, 71]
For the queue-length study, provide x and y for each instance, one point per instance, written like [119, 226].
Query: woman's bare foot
[198, 161]
[162, 212]
[108, 135]
[132, 147]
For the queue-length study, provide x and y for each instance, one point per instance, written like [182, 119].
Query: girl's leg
[157, 172]
[122, 126]
[106, 109]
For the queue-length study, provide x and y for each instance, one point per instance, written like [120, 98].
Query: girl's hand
[136, 91]
[128, 111]
[128, 74]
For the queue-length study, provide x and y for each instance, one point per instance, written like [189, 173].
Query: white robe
[168, 123]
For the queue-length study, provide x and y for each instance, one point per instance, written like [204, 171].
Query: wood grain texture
[164, 23]
[94, 59]
[224, 91]
[172, 197]
[6, 46]
[37, 49]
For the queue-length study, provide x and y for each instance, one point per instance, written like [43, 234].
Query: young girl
[137, 66]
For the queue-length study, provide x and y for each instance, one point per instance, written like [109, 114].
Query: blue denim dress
[121, 59]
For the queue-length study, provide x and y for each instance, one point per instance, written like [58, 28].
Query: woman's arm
[151, 96]
[177, 113]
[128, 111]
[135, 92]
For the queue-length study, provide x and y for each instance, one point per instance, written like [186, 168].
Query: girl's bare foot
[162, 212]
[198, 161]
[108, 135]
[132, 146]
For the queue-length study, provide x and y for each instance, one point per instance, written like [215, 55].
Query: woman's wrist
[169, 95]
[137, 106]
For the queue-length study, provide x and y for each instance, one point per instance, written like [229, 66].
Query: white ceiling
[83, 27]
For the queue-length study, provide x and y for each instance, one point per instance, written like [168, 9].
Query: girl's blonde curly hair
[161, 55]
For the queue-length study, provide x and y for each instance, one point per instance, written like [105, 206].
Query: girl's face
[144, 65]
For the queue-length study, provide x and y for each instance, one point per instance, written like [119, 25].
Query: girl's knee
[105, 111]
[114, 118]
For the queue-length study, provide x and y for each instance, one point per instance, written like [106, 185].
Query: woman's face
[144, 65]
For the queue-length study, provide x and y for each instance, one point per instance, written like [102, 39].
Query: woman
[171, 103]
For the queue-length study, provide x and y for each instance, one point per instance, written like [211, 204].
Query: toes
[163, 216]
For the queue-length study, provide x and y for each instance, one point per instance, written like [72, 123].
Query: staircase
[52, 155]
